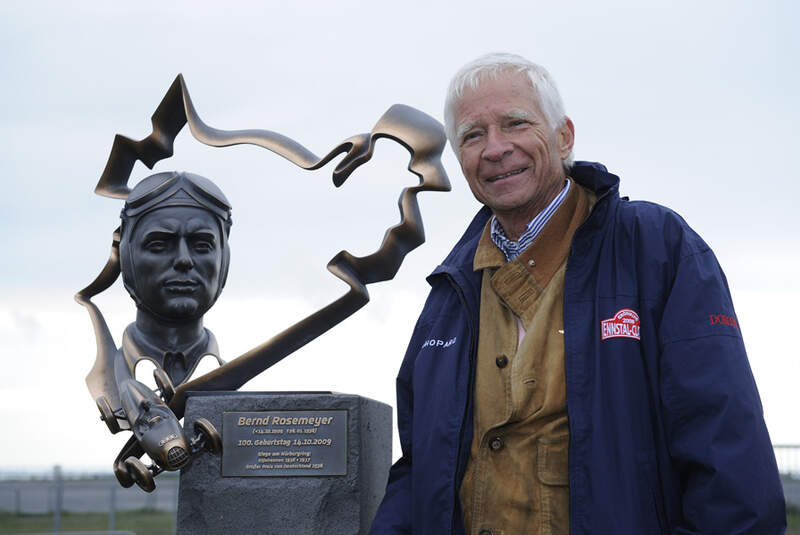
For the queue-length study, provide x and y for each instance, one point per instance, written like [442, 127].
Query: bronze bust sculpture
[172, 251]
[174, 257]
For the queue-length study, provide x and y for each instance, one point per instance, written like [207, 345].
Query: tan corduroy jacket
[517, 476]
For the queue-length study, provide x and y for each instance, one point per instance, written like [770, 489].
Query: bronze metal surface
[419, 133]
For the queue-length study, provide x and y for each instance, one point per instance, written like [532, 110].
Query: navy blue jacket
[667, 434]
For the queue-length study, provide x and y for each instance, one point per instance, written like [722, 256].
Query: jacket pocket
[552, 471]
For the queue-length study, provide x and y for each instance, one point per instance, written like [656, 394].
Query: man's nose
[183, 260]
[497, 145]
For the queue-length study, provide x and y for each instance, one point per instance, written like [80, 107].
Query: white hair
[491, 66]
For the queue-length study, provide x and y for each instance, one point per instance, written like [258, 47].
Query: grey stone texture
[327, 505]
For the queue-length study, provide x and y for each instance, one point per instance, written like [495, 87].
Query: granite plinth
[211, 503]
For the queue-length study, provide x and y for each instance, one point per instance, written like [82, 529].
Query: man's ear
[565, 138]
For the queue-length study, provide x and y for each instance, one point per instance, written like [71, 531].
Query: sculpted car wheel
[123, 475]
[107, 415]
[140, 473]
[213, 441]
[164, 384]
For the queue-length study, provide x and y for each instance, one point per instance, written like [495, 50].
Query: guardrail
[788, 457]
[83, 496]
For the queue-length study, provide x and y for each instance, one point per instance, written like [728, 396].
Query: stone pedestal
[292, 463]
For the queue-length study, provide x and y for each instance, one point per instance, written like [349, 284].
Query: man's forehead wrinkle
[514, 113]
[166, 225]
[198, 225]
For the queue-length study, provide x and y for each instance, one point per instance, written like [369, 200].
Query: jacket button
[501, 361]
[496, 443]
[486, 532]
[531, 263]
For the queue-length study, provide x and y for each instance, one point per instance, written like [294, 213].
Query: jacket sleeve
[394, 513]
[717, 437]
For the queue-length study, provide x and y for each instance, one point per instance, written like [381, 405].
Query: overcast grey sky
[693, 104]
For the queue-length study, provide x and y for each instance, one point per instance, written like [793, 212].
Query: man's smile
[506, 175]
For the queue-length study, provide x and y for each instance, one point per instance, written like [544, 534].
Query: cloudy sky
[693, 104]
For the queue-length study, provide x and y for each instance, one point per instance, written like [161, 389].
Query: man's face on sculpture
[177, 255]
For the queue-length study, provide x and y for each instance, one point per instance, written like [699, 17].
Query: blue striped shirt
[513, 249]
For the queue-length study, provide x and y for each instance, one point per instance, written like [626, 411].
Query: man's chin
[185, 308]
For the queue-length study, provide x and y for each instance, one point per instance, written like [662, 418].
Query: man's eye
[517, 122]
[203, 246]
[155, 246]
[470, 136]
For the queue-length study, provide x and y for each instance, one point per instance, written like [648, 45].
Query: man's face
[510, 156]
[177, 256]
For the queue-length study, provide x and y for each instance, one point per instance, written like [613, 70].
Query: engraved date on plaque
[284, 443]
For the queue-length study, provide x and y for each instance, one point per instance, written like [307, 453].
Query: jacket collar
[595, 176]
[591, 175]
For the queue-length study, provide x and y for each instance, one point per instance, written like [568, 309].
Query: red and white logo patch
[624, 324]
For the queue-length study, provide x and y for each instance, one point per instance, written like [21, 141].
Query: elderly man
[578, 366]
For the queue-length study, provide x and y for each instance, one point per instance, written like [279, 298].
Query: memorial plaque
[284, 443]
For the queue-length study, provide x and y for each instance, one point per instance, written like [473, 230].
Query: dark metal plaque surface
[284, 443]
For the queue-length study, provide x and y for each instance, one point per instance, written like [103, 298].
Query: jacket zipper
[573, 510]
[460, 466]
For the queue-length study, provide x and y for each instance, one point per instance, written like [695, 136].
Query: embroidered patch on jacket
[433, 342]
[624, 324]
[722, 319]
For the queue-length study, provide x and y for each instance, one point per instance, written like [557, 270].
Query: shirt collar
[136, 347]
[512, 249]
